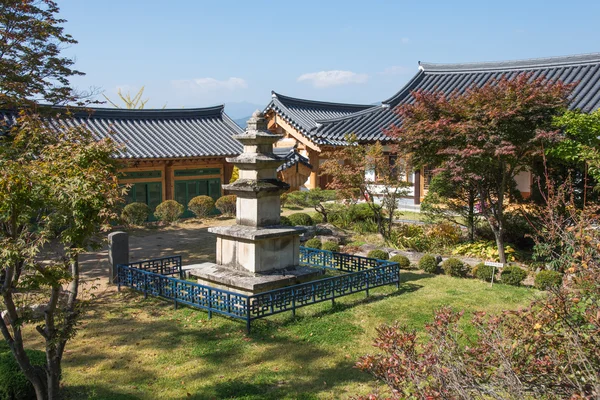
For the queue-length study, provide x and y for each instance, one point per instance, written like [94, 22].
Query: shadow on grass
[295, 387]
[93, 392]
[123, 331]
[410, 276]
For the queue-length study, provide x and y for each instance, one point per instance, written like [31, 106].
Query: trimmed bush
[483, 272]
[135, 213]
[313, 243]
[285, 221]
[13, 384]
[317, 218]
[330, 246]
[378, 254]
[201, 206]
[169, 211]
[545, 280]
[513, 275]
[429, 264]
[403, 261]
[227, 204]
[455, 267]
[300, 219]
[283, 199]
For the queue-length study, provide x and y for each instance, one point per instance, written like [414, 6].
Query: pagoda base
[235, 280]
[257, 250]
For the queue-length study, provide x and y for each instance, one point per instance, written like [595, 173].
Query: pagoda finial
[257, 122]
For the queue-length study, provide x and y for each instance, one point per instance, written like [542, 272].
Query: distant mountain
[242, 121]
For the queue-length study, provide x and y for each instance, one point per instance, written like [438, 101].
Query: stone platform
[244, 282]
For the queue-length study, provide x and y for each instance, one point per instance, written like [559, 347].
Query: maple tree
[487, 135]
[58, 189]
[367, 169]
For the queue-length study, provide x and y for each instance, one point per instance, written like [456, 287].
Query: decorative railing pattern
[164, 266]
[338, 261]
[363, 274]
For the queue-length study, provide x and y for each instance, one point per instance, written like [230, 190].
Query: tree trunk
[500, 245]
[53, 378]
[471, 217]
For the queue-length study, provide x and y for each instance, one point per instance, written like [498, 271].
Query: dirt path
[189, 239]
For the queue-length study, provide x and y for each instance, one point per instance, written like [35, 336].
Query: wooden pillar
[313, 159]
[169, 185]
[417, 186]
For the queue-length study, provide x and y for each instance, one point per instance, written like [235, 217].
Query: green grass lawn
[131, 348]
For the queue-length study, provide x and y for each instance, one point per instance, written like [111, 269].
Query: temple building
[316, 127]
[175, 154]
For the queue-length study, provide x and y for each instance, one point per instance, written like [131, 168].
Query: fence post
[367, 276]
[398, 276]
[145, 285]
[209, 303]
[248, 315]
[293, 303]
[175, 294]
[180, 267]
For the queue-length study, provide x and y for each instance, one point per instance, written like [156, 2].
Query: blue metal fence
[362, 275]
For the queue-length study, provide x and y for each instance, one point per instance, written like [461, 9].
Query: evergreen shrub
[135, 213]
[201, 206]
[169, 211]
[429, 264]
[300, 219]
[378, 254]
[313, 243]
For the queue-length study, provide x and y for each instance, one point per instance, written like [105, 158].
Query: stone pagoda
[257, 253]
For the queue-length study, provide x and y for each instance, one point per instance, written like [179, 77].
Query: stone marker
[118, 252]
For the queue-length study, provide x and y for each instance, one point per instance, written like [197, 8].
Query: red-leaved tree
[486, 135]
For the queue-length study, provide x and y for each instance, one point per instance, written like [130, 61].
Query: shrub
[317, 218]
[313, 243]
[444, 234]
[545, 280]
[285, 221]
[409, 236]
[13, 384]
[403, 261]
[513, 275]
[201, 206]
[330, 246]
[169, 211]
[378, 254]
[483, 272]
[227, 204]
[486, 250]
[135, 213]
[455, 267]
[429, 264]
[283, 199]
[300, 219]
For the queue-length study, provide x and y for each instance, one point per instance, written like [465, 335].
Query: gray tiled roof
[171, 133]
[303, 114]
[291, 157]
[368, 125]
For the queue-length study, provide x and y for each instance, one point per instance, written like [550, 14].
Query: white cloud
[210, 84]
[405, 40]
[323, 79]
[397, 70]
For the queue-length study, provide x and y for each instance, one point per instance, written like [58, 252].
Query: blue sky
[200, 53]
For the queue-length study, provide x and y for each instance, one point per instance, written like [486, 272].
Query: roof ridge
[104, 112]
[281, 97]
[373, 108]
[511, 64]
